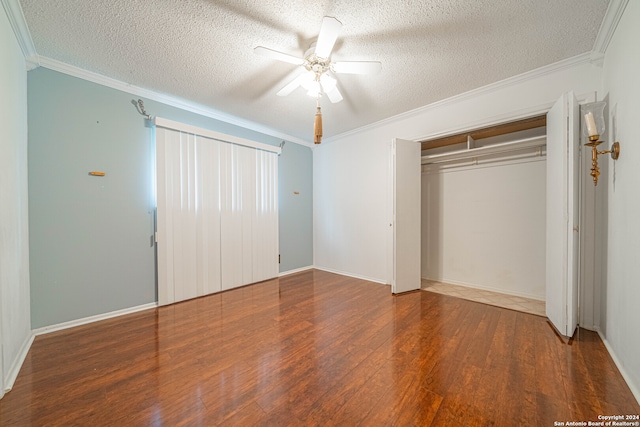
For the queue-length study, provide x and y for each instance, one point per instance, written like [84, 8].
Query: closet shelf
[537, 141]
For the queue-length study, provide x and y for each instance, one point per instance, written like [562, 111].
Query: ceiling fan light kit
[317, 79]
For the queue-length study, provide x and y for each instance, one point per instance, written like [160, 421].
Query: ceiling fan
[317, 76]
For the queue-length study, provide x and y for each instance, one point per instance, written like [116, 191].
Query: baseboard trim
[355, 276]
[18, 362]
[634, 389]
[486, 288]
[295, 270]
[85, 320]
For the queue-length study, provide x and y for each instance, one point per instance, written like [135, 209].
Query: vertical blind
[217, 211]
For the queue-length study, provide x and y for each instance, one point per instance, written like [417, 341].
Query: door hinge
[278, 258]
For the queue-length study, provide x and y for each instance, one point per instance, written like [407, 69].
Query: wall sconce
[592, 127]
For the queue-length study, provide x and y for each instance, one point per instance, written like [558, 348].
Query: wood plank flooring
[316, 348]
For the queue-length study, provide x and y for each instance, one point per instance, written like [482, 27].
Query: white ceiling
[202, 50]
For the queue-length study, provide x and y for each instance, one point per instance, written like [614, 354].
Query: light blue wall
[296, 220]
[90, 237]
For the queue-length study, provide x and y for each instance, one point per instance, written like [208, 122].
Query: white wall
[620, 324]
[351, 200]
[15, 326]
[350, 220]
[484, 226]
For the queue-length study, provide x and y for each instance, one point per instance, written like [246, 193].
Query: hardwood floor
[317, 348]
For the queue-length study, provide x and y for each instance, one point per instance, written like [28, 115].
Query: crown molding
[584, 58]
[183, 104]
[21, 30]
[33, 60]
[597, 59]
[612, 17]
[608, 27]
[509, 116]
[17, 20]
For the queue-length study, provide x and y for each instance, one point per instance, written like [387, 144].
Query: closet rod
[520, 144]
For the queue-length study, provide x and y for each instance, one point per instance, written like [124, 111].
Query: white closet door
[176, 215]
[249, 215]
[208, 216]
[164, 213]
[246, 173]
[406, 215]
[184, 220]
[562, 214]
[230, 216]
[265, 237]
[217, 215]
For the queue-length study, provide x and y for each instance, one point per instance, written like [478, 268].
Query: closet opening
[483, 215]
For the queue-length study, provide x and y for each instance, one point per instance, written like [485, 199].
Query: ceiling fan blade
[327, 38]
[334, 95]
[357, 67]
[274, 54]
[292, 85]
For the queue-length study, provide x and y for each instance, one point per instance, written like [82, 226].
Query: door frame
[590, 293]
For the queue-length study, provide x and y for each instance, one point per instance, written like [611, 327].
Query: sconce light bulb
[591, 124]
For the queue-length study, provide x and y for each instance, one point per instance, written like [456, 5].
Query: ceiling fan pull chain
[317, 124]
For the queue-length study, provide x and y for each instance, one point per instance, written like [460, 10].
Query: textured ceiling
[202, 50]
